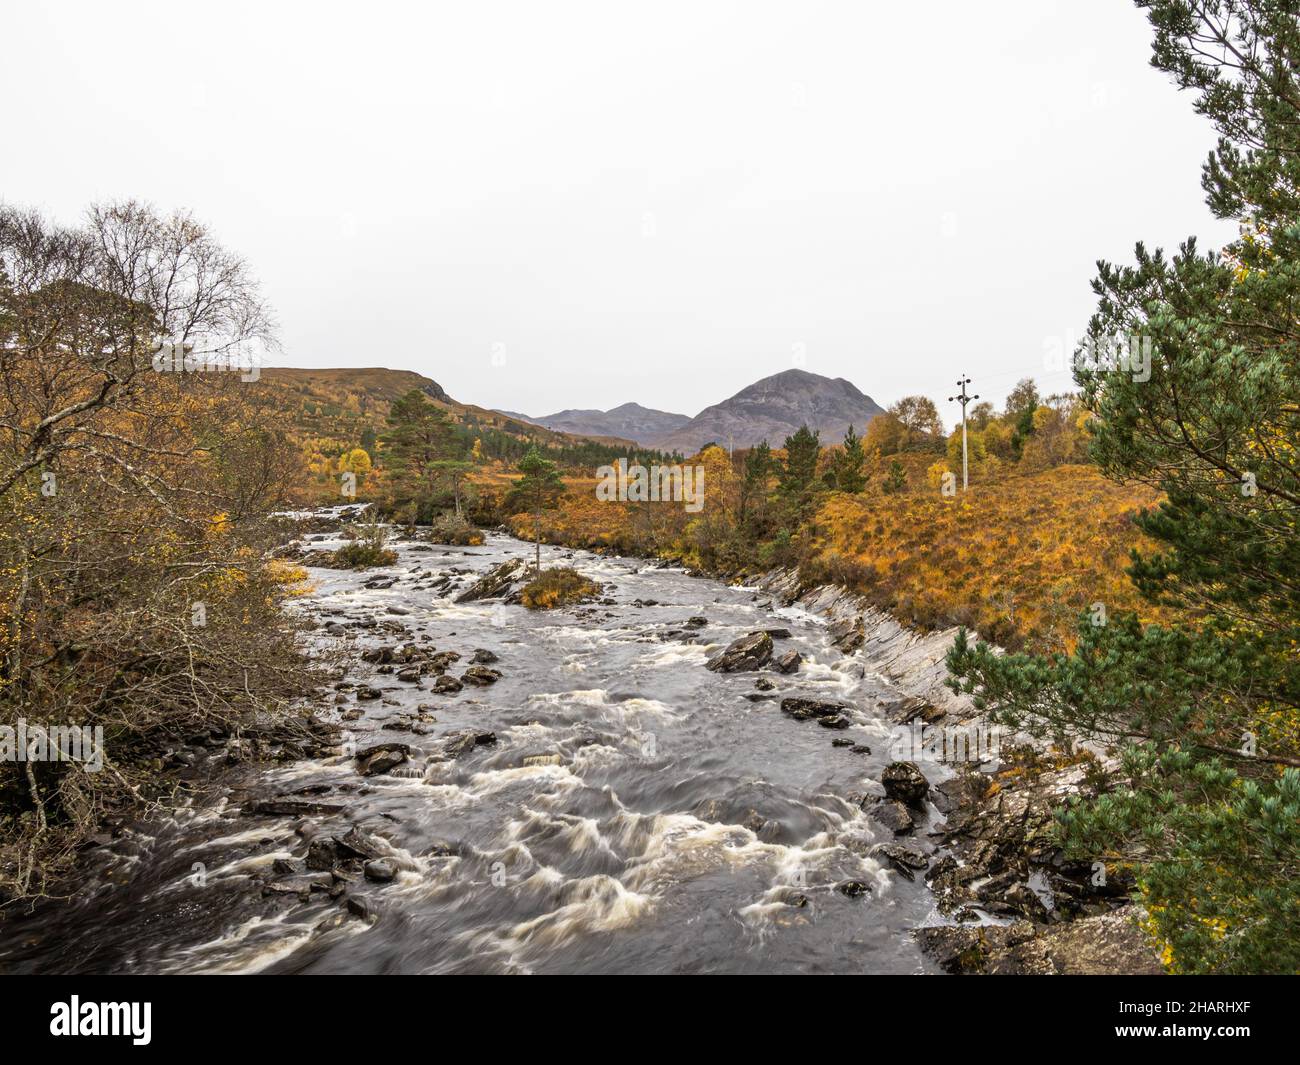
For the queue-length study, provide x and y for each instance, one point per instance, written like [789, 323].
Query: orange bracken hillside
[1017, 558]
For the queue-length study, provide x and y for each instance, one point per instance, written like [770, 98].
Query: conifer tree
[848, 464]
[539, 488]
[796, 474]
[1200, 400]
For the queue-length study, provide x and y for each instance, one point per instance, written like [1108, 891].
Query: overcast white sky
[556, 204]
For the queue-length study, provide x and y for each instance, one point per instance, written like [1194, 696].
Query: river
[637, 812]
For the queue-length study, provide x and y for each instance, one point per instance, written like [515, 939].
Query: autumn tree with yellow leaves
[135, 485]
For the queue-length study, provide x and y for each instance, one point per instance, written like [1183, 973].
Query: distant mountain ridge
[630, 421]
[772, 409]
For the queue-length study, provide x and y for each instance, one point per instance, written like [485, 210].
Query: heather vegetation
[557, 587]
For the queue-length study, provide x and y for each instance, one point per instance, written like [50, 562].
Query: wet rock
[1106, 944]
[447, 685]
[442, 661]
[905, 783]
[461, 743]
[287, 867]
[480, 676]
[366, 692]
[906, 861]
[750, 652]
[847, 634]
[497, 583]
[853, 889]
[330, 922]
[322, 854]
[362, 908]
[893, 816]
[1025, 900]
[807, 709]
[299, 885]
[841, 742]
[764, 685]
[409, 674]
[788, 662]
[358, 843]
[293, 808]
[860, 748]
[381, 758]
[696, 622]
[778, 634]
[380, 870]
[483, 657]
[542, 759]
[835, 721]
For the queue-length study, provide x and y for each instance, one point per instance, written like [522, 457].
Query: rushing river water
[678, 830]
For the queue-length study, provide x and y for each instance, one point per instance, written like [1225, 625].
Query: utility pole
[963, 399]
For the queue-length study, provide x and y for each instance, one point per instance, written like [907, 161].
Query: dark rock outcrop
[904, 782]
[752, 651]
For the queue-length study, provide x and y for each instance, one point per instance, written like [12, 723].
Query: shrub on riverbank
[556, 588]
[453, 529]
[365, 550]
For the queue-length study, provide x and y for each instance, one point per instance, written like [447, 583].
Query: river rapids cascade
[562, 791]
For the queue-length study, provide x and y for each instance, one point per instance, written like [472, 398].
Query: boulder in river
[892, 815]
[440, 662]
[805, 709]
[380, 870]
[483, 657]
[381, 758]
[497, 583]
[480, 676]
[358, 843]
[293, 808]
[752, 651]
[788, 661]
[904, 782]
[459, 743]
[447, 685]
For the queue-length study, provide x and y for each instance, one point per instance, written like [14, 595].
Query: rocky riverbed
[683, 776]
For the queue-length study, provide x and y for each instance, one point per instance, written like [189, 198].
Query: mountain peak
[774, 407]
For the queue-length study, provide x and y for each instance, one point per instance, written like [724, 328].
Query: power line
[963, 399]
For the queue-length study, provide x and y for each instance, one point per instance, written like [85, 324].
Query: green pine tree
[758, 469]
[796, 474]
[1206, 710]
[540, 487]
[848, 464]
[418, 437]
[896, 478]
